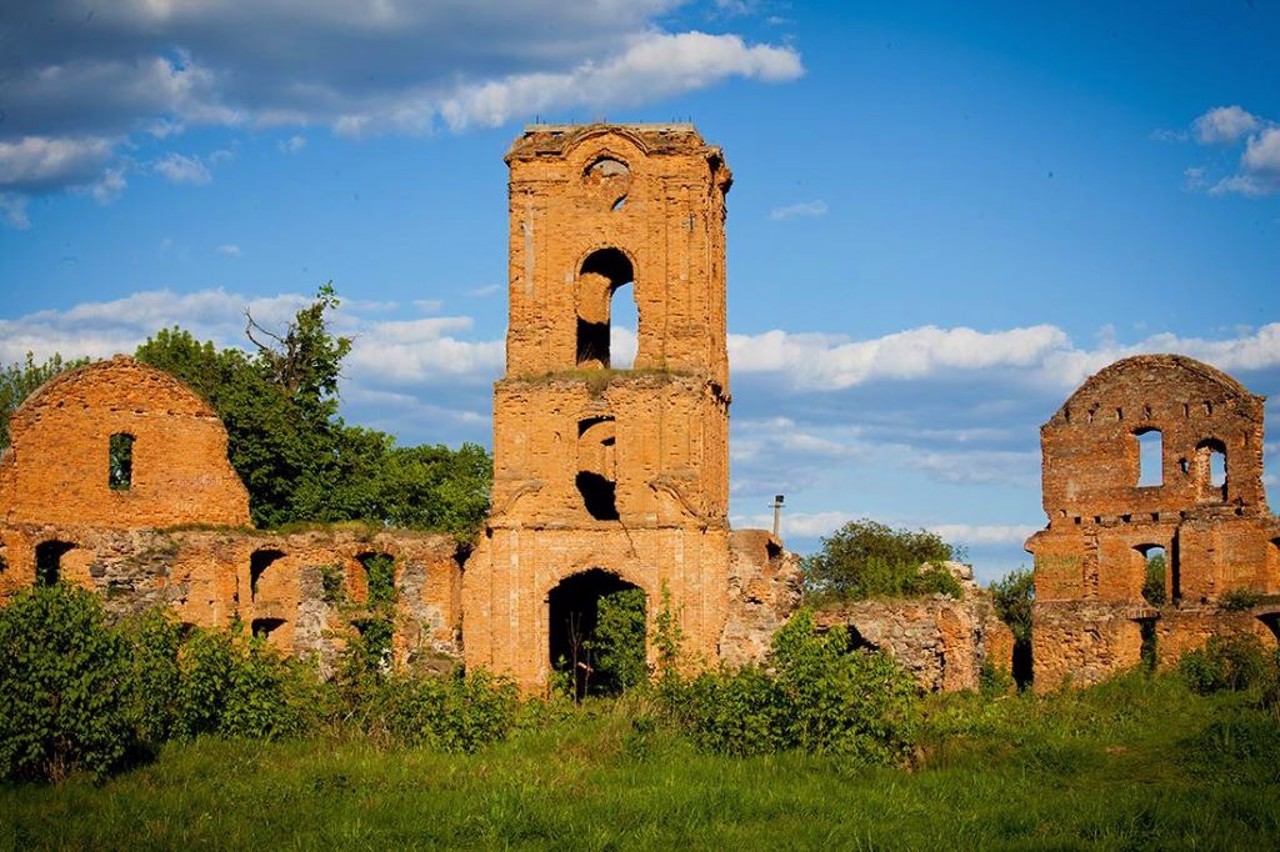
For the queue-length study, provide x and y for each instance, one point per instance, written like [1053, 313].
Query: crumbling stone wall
[944, 643]
[623, 471]
[764, 592]
[1090, 562]
[305, 598]
[56, 469]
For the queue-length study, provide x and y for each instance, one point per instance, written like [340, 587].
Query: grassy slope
[1136, 763]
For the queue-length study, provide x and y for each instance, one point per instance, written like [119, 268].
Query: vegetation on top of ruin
[868, 559]
[301, 463]
[233, 747]
[598, 381]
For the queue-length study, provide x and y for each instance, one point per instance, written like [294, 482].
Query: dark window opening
[602, 274]
[1155, 579]
[49, 561]
[120, 461]
[599, 495]
[597, 633]
[1150, 457]
[1023, 669]
[259, 562]
[380, 575]
[597, 467]
[264, 627]
[1272, 621]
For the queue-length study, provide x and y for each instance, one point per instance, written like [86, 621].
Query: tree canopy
[299, 461]
[865, 559]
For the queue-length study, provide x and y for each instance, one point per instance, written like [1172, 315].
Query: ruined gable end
[1152, 484]
[119, 444]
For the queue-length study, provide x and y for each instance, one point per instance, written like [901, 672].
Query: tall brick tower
[606, 478]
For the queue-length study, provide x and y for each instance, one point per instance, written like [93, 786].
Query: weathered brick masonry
[117, 476]
[1202, 504]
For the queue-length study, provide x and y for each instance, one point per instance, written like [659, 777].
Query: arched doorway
[597, 633]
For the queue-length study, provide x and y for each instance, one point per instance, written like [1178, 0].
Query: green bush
[64, 682]
[1228, 663]
[153, 639]
[1239, 600]
[238, 688]
[455, 713]
[865, 559]
[820, 698]
[617, 645]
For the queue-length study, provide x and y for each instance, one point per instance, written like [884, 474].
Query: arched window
[259, 562]
[1150, 457]
[602, 274]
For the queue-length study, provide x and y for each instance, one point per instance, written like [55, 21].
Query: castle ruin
[1193, 494]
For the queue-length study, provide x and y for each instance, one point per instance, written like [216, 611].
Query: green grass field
[1137, 763]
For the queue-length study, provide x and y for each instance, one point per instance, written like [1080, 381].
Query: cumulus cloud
[181, 169]
[229, 249]
[653, 66]
[292, 145]
[14, 209]
[1041, 353]
[1257, 172]
[86, 85]
[1224, 125]
[805, 209]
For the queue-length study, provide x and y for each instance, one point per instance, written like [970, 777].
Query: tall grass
[1136, 763]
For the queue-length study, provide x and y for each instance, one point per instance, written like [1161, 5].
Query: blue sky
[944, 217]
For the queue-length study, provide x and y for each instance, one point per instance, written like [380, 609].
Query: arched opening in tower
[602, 274]
[597, 467]
[597, 633]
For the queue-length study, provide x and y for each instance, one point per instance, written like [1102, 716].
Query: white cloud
[83, 87]
[1258, 170]
[1224, 125]
[1262, 153]
[14, 208]
[982, 534]
[182, 169]
[229, 249]
[485, 291]
[110, 186]
[292, 145]
[35, 162]
[1041, 353]
[655, 65]
[804, 209]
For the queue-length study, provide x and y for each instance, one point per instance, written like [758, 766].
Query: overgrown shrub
[820, 698]
[1239, 600]
[1232, 662]
[153, 640]
[238, 688]
[865, 559]
[459, 712]
[617, 645]
[64, 678]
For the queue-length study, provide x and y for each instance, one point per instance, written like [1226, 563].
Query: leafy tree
[866, 559]
[19, 381]
[299, 461]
